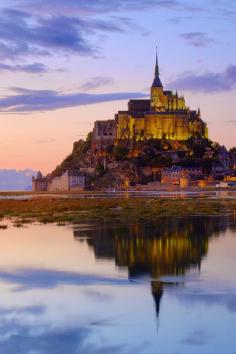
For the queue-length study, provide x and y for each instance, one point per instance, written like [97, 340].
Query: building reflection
[167, 247]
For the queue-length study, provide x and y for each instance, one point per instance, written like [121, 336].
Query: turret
[39, 175]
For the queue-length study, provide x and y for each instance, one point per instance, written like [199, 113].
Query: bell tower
[157, 96]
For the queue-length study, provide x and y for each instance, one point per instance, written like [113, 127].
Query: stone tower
[157, 95]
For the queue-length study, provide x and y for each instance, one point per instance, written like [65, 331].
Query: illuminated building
[164, 116]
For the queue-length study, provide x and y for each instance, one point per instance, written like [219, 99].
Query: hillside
[76, 159]
[121, 165]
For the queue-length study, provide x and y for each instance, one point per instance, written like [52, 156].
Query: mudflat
[76, 210]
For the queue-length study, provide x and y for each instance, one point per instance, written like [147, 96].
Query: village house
[70, 180]
[173, 175]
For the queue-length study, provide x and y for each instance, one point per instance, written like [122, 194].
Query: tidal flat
[75, 210]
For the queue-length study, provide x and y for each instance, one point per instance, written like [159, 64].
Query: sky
[67, 63]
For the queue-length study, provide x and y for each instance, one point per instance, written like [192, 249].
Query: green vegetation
[120, 153]
[199, 148]
[100, 169]
[73, 161]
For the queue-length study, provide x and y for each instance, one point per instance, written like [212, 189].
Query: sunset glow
[65, 66]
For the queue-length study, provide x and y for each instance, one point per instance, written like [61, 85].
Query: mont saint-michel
[165, 116]
[156, 143]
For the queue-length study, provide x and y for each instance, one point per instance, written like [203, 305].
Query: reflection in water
[168, 247]
[103, 288]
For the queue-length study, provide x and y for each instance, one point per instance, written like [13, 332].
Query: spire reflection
[154, 249]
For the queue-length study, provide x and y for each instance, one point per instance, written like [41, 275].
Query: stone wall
[171, 126]
[68, 181]
[104, 133]
[39, 185]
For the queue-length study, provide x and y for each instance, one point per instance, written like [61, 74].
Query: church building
[164, 116]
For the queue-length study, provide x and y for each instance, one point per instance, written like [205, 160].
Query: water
[209, 194]
[166, 287]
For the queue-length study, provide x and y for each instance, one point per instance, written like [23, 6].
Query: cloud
[208, 81]
[45, 100]
[35, 68]
[179, 19]
[33, 310]
[96, 82]
[38, 334]
[12, 51]
[197, 39]
[198, 338]
[200, 291]
[210, 297]
[26, 279]
[47, 339]
[23, 34]
[15, 180]
[49, 27]
[57, 341]
[96, 6]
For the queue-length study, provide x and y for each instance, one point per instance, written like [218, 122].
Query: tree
[100, 169]
[120, 153]
[109, 149]
[232, 151]
[161, 162]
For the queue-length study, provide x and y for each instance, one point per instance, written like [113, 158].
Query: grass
[3, 227]
[18, 225]
[61, 211]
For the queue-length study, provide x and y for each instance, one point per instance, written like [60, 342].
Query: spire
[157, 81]
[157, 73]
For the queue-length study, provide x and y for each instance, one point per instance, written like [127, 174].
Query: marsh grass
[18, 225]
[3, 227]
[62, 211]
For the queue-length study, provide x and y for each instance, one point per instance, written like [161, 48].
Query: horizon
[51, 58]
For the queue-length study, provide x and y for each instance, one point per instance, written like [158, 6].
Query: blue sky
[63, 62]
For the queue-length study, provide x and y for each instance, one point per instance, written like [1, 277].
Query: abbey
[164, 116]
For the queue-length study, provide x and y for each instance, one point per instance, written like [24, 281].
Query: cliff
[78, 158]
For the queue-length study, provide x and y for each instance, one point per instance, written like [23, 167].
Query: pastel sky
[66, 63]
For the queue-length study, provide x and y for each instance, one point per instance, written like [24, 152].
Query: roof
[157, 82]
[39, 175]
[140, 100]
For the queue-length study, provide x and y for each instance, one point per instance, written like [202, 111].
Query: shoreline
[162, 189]
[78, 210]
